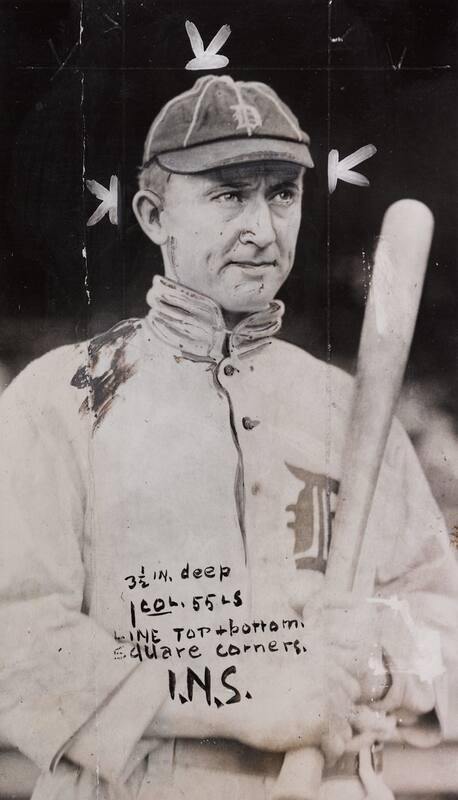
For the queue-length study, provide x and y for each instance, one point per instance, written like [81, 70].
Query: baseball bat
[389, 321]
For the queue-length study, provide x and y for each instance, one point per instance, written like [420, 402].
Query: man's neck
[193, 322]
[231, 319]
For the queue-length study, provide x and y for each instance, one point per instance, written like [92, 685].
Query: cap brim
[212, 155]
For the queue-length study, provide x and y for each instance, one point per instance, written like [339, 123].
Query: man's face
[232, 232]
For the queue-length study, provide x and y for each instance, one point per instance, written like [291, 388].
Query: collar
[193, 323]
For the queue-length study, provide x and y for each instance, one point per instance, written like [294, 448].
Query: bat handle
[300, 775]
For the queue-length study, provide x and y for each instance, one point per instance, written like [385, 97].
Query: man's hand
[352, 627]
[296, 700]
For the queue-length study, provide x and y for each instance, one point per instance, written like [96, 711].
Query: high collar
[193, 324]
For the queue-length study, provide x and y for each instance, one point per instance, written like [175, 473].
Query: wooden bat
[389, 322]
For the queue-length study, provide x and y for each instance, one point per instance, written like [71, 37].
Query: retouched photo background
[82, 81]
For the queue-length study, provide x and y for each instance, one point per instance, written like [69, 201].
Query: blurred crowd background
[81, 85]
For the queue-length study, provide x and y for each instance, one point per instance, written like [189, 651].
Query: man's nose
[258, 226]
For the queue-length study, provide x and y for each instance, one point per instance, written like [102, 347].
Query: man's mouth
[253, 264]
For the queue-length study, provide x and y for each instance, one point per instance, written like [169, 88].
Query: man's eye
[285, 197]
[229, 197]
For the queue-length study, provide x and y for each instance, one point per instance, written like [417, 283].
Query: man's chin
[247, 303]
[241, 294]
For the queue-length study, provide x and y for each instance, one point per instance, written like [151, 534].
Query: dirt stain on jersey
[103, 387]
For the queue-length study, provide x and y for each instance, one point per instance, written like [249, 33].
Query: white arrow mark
[109, 198]
[342, 170]
[207, 58]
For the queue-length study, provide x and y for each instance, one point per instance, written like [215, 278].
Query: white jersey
[160, 444]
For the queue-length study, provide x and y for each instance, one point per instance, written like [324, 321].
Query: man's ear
[147, 206]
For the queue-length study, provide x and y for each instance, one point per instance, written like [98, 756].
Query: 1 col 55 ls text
[161, 606]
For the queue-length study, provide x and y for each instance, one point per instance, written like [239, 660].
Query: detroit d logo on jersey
[313, 512]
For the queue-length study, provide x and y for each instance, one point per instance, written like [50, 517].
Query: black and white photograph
[228, 417]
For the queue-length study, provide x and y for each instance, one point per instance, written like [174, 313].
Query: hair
[154, 177]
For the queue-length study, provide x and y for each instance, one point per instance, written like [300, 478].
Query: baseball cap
[219, 122]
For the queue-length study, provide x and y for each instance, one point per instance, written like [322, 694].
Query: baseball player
[190, 455]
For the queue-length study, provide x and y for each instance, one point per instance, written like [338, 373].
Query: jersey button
[249, 424]
[229, 370]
